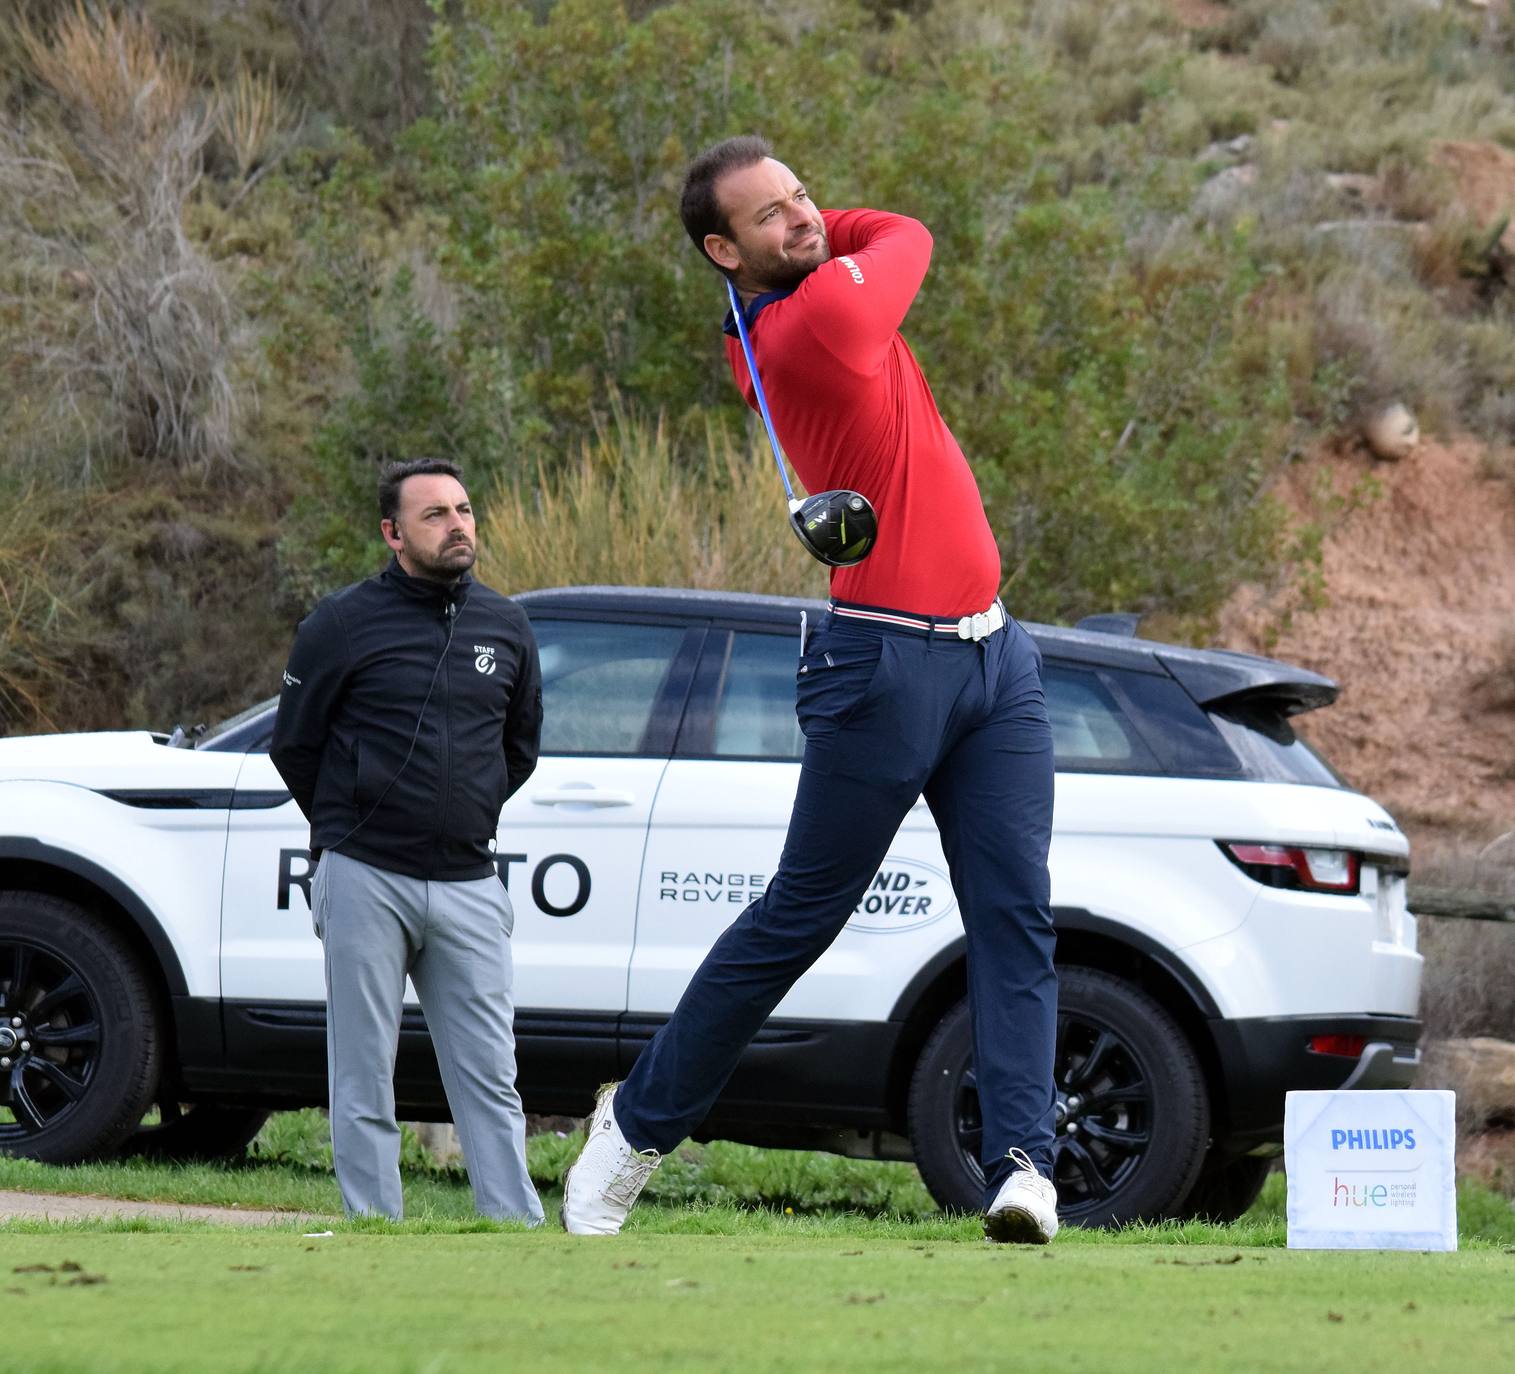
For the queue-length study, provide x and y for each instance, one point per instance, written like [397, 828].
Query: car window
[1270, 749]
[600, 683]
[754, 712]
[1181, 735]
[1089, 730]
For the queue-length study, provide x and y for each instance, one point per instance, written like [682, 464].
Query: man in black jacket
[411, 710]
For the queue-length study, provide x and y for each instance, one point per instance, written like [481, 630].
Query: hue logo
[1359, 1194]
[1395, 1139]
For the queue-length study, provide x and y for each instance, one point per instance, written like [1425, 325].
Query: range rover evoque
[1231, 916]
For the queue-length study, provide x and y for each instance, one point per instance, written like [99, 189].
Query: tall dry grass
[637, 510]
[255, 120]
[119, 316]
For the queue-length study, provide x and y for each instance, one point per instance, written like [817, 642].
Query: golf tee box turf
[1371, 1170]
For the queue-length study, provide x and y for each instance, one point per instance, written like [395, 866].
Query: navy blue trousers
[890, 715]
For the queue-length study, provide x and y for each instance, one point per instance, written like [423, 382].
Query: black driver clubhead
[837, 527]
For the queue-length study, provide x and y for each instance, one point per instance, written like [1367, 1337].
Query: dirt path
[61, 1207]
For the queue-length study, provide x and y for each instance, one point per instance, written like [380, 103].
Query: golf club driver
[837, 527]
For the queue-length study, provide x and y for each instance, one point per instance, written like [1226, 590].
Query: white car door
[569, 845]
[571, 840]
[719, 826]
[269, 951]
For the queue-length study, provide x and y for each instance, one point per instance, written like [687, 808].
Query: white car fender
[169, 860]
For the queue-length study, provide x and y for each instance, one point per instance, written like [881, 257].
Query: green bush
[403, 405]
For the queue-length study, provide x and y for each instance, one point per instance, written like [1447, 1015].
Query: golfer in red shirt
[915, 683]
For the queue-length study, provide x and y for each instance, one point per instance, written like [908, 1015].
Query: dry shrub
[32, 608]
[140, 600]
[1469, 972]
[1413, 190]
[129, 91]
[1389, 340]
[367, 58]
[1292, 38]
[1073, 27]
[120, 316]
[1470, 964]
[254, 120]
[631, 513]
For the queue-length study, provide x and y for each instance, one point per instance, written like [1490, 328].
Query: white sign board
[1371, 1170]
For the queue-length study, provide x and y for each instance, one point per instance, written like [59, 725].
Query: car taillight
[1301, 867]
[1349, 1046]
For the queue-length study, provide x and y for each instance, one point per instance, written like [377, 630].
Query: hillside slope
[1420, 632]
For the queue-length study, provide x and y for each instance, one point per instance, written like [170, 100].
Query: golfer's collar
[728, 325]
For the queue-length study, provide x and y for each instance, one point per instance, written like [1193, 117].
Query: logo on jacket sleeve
[484, 658]
[853, 268]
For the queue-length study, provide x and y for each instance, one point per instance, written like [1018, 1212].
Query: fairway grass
[793, 1298]
[738, 1259]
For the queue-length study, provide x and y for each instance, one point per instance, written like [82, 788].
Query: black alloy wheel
[79, 1040]
[1132, 1111]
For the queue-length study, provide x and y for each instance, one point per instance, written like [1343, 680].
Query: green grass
[737, 1259]
[719, 1189]
[289, 1168]
[798, 1298]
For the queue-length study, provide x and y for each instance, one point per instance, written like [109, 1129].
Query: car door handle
[583, 796]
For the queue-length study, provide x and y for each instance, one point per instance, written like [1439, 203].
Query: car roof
[1211, 676]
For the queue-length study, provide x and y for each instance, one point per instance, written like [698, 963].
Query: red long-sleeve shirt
[852, 409]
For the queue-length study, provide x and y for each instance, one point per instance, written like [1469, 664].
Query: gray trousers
[453, 939]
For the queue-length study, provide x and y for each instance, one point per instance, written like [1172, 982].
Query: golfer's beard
[782, 273]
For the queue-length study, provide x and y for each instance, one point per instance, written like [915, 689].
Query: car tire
[80, 1027]
[1133, 1113]
[197, 1131]
[1226, 1188]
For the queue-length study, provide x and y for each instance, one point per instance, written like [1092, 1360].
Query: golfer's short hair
[698, 206]
[393, 477]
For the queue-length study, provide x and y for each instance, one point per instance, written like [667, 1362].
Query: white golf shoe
[1024, 1210]
[606, 1177]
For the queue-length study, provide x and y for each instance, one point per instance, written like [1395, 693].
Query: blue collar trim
[728, 325]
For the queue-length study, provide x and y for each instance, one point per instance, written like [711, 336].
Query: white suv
[1231, 917]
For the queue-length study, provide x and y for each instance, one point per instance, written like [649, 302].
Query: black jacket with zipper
[422, 800]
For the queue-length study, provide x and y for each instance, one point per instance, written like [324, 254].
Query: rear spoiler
[1225, 680]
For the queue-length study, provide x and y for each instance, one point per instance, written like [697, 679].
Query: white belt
[978, 626]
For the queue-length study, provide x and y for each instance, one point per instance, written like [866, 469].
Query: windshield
[216, 736]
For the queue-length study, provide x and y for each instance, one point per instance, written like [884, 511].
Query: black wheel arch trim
[955, 951]
[47, 856]
[1065, 918]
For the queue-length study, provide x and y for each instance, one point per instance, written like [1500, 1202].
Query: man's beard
[446, 566]
[782, 272]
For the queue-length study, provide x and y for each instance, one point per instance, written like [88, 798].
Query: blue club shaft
[757, 385]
